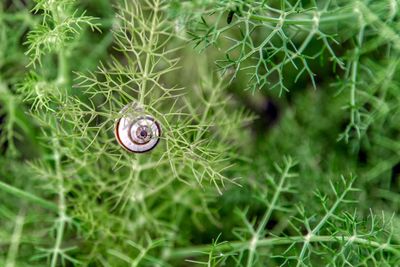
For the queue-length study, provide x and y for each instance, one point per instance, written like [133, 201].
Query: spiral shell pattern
[135, 131]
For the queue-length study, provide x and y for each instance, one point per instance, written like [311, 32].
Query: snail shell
[135, 131]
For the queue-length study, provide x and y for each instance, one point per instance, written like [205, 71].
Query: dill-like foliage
[242, 176]
[266, 40]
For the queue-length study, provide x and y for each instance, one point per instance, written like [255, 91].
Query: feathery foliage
[237, 86]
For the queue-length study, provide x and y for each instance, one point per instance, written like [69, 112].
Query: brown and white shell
[135, 131]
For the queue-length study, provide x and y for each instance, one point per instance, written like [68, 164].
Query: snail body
[135, 131]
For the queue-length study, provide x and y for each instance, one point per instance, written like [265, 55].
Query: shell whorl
[135, 131]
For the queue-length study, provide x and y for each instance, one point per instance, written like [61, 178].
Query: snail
[135, 131]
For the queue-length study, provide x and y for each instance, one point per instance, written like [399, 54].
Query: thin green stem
[306, 19]
[354, 113]
[63, 75]
[321, 223]
[206, 111]
[255, 241]
[15, 240]
[277, 241]
[27, 196]
[149, 54]
[62, 216]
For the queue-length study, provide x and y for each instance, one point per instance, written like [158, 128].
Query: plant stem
[272, 206]
[15, 240]
[276, 241]
[62, 216]
[306, 18]
[63, 78]
[340, 199]
[27, 196]
[146, 72]
[63, 68]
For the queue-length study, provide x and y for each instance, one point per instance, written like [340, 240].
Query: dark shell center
[143, 133]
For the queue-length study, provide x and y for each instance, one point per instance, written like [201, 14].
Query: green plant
[219, 189]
